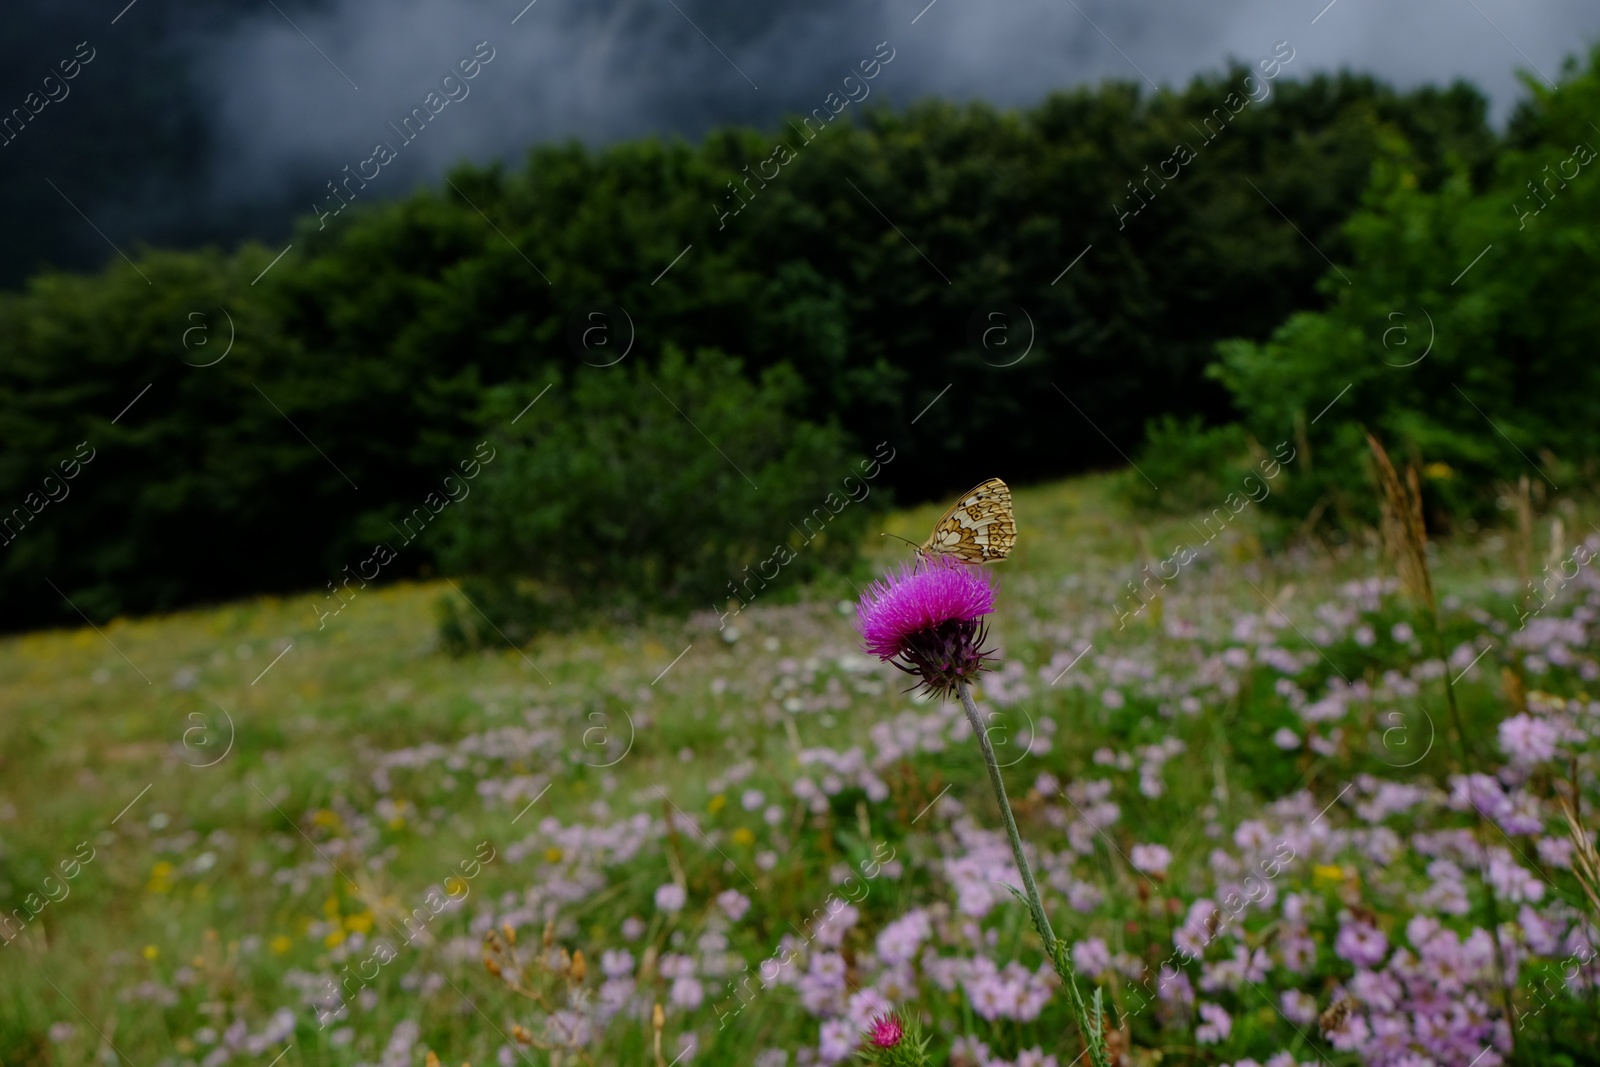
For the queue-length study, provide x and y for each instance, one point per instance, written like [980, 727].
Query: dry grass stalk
[1523, 502]
[1516, 692]
[1585, 859]
[1405, 537]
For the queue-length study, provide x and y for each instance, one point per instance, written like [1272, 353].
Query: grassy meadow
[215, 851]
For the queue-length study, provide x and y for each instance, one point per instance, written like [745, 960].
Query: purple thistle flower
[927, 622]
[885, 1031]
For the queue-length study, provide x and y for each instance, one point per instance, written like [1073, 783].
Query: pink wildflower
[1092, 957]
[733, 903]
[1361, 943]
[671, 897]
[1217, 1026]
[1152, 859]
[1528, 740]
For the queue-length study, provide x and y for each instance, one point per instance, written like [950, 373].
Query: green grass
[93, 749]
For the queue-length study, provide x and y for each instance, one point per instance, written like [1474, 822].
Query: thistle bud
[549, 933]
[658, 1018]
[578, 968]
[521, 1036]
[510, 933]
[433, 1060]
[886, 1031]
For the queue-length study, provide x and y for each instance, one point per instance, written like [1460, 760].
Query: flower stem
[1034, 904]
[1090, 1025]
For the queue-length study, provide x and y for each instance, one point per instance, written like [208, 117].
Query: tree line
[957, 281]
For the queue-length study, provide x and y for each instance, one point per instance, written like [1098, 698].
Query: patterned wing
[978, 529]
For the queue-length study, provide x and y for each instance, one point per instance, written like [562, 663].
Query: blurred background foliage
[1481, 370]
[399, 334]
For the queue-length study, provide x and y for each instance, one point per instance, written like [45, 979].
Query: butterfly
[977, 529]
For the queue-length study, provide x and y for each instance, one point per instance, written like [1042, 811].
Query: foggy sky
[600, 70]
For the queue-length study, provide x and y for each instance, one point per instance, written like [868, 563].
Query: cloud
[602, 70]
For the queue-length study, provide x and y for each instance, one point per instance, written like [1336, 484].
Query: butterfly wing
[978, 529]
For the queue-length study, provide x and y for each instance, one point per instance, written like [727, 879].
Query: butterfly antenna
[897, 537]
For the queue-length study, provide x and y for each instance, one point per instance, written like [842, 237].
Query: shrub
[1185, 465]
[634, 489]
